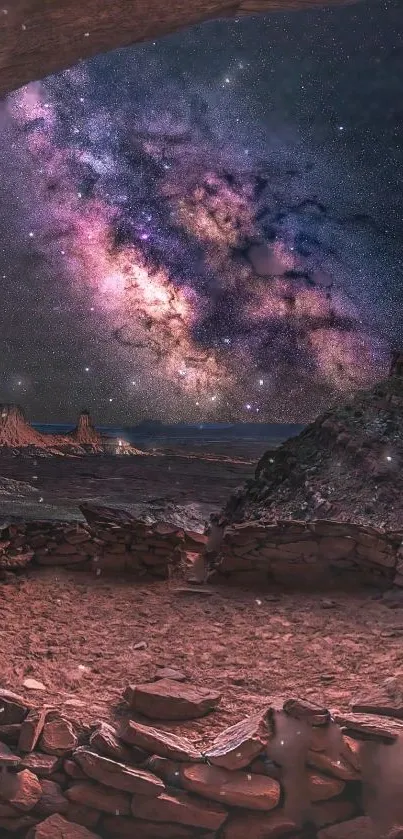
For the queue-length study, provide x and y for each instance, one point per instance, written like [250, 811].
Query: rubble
[90, 796]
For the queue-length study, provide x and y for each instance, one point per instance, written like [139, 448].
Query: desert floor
[79, 634]
[86, 638]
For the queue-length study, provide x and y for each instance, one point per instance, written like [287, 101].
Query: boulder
[58, 735]
[52, 799]
[236, 789]
[13, 708]
[118, 775]
[360, 828]
[259, 826]
[169, 700]
[180, 808]
[323, 787]
[105, 740]
[100, 798]
[40, 764]
[306, 711]
[21, 791]
[157, 742]
[240, 744]
[31, 729]
[57, 827]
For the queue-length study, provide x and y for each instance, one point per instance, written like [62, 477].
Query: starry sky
[208, 227]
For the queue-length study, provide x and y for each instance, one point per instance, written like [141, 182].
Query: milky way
[177, 243]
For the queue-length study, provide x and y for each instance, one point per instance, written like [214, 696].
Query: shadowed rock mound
[345, 466]
[85, 433]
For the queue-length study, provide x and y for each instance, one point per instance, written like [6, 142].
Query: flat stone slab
[105, 741]
[167, 699]
[359, 828]
[259, 826]
[306, 711]
[98, 797]
[57, 827]
[383, 709]
[118, 775]
[369, 726]
[239, 745]
[180, 808]
[236, 789]
[157, 742]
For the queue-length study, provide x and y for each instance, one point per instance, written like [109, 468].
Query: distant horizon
[161, 424]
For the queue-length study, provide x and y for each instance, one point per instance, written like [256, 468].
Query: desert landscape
[186, 578]
[201, 571]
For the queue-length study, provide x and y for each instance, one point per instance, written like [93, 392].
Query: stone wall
[299, 551]
[293, 770]
[111, 541]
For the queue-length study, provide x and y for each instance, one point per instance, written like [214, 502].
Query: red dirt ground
[78, 635]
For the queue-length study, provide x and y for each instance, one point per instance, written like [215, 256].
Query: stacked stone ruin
[313, 551]
[113, 541]
[110, 542]
[293, 770]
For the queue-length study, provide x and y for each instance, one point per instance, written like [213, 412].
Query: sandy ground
[78, 635]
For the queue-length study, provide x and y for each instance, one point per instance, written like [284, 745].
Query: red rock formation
[16, 432]
[85, 433]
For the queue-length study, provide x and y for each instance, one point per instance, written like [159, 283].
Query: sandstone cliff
[85, 433]
[18, 435]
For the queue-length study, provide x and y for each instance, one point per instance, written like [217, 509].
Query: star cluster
[208, 226]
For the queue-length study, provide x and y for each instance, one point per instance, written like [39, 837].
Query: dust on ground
[79, 636]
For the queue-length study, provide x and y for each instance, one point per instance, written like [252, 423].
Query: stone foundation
[111, 542]
[293, 770]
[288, 552]
[307, 553]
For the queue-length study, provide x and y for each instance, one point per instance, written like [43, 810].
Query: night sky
[207, 227]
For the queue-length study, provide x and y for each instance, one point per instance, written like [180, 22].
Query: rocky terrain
[122, 711]
[345, 466]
